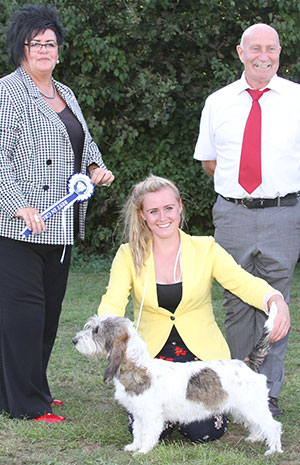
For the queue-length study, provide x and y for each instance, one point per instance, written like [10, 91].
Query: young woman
[169, 275]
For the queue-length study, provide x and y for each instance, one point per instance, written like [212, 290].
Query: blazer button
[49, 162]
[172, 318]
[45, 188]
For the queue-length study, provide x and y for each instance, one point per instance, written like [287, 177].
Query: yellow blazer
[202, 260]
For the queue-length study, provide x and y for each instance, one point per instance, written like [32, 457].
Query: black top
[76, 136]
[169, 297]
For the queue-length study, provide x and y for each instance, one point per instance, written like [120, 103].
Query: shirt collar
[274, 84]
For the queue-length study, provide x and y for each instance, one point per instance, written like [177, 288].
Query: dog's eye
[95, 330]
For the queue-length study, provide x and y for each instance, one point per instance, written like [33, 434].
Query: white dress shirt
[221, 133]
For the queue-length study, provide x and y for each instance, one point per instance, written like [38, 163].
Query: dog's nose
[75, 340]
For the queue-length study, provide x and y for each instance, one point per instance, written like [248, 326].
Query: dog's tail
[255, 359]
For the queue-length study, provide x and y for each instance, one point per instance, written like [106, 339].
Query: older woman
[169, 275]
[44, 139]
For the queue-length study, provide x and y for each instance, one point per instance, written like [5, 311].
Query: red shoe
[56, 402]
[49, 418]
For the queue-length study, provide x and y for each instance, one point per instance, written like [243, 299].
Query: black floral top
[174, 350]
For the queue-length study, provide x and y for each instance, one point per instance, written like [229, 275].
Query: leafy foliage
[141, 71]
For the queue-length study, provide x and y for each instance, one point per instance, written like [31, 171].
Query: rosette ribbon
[80, 188]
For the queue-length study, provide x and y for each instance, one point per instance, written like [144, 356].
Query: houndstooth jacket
[36, 158]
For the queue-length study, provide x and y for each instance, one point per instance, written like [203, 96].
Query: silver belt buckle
[255, 203]
[242, 202]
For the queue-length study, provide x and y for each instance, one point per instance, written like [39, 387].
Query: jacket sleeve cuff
[267, 297]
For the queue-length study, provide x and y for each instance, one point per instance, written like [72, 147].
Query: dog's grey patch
[135, 379]
[112, 329]
[205, 386]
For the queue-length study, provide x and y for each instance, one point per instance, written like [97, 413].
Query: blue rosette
[81, 185]
[80, 188]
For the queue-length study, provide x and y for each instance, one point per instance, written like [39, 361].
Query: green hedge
[141, 71]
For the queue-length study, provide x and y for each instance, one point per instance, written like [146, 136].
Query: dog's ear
[116, 357]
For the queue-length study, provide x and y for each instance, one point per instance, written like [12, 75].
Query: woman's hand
[32, 218]
[282, 321]
[101, 176]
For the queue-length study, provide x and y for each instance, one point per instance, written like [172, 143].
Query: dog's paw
[273, 450]
[139, 452]
[253, 437]
[143, 450]
[131, 447]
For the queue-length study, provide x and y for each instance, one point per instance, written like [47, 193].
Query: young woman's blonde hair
[136, 230]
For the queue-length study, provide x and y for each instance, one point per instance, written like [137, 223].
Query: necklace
[49, 96]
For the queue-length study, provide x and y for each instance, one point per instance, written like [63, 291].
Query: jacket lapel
[39, 101]
[188, 261]
[149, 275]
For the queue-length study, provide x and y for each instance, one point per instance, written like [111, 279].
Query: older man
[249, 141]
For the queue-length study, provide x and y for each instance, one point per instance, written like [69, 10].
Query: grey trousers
[265, 242]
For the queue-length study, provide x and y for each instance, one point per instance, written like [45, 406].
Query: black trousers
[32, 287]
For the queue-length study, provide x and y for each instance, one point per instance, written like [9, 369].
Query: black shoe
[274, 407]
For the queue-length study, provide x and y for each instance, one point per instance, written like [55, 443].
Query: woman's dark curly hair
[26, 23]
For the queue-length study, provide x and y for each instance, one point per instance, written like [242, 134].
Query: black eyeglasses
[37, 46]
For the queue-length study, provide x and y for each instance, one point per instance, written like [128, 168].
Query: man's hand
[282, 321]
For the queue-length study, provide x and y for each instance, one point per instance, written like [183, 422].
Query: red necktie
[250, 164]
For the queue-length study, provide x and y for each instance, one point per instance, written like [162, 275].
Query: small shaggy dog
[145, 386]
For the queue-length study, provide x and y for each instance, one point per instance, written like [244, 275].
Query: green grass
[96, 430]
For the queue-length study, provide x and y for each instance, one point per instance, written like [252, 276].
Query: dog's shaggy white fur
[157, 391]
